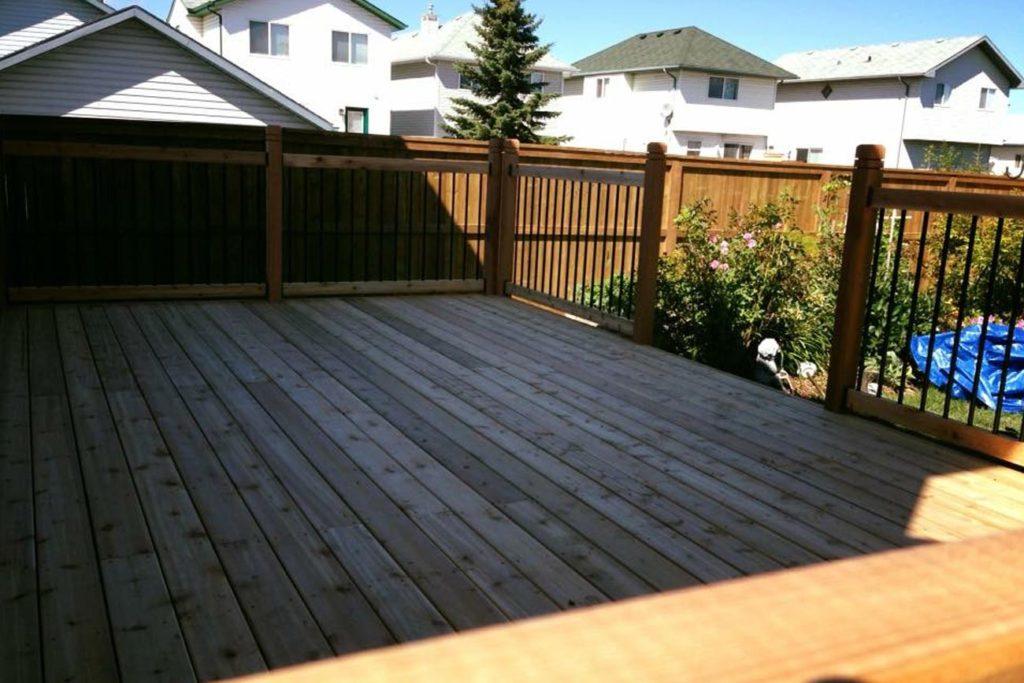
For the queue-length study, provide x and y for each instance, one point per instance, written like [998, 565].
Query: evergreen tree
[505, 103]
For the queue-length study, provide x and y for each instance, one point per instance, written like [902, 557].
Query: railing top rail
[940, 201]
[581, 174]
[384, 163]
[89, 150]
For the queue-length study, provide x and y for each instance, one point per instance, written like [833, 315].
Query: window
[357, 120]
[466, 82]
[723, 88]
[693, 148]
[268, 39]
[349, 48]
[941, 94]
[988, 98]
[809, 155]
[737, 151]
[602, 86]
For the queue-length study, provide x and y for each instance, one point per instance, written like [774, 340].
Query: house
[424, 80]
[907, 96]
[79, 58]
[334, 56]
[1008, 158]
[696, 92]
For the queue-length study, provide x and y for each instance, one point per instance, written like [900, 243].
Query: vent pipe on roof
[429, 22]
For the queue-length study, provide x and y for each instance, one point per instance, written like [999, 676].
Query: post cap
[870, 152]
[657, 148]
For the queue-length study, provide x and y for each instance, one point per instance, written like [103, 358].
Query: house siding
[27, 23]
[423, 122]
[307, 74]
[130, 71]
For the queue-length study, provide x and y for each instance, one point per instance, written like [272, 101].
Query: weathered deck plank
[202, 490]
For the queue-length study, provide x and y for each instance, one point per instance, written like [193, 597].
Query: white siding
[27, 22]
[130, 71]
[308, 74]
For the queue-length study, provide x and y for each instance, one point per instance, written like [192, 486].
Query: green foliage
[505, 103]
[614, 295]
[718, 297]
[949, 157]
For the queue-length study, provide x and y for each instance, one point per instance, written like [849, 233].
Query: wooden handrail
[581, 174]
[346, 162]
[90, 150]
[851, 299]
[949, 612]
[940, 201]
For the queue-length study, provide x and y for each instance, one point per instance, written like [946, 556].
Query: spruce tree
[505, 103]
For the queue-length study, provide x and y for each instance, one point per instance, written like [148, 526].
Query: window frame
[985, 100]
[350, 42]
[723, 90]
[269, 40]
[366, 119]
[603, 83]
[743, 150]
[941, 99]
[694, 148]
[816, 152]
[465, 83]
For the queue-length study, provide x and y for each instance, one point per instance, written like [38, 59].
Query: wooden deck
[203, 490]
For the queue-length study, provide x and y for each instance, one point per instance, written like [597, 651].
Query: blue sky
[767, 28]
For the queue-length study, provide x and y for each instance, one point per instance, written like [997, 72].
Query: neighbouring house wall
[307, 74]
[869, 111]
[879, 111]
[419, 86]
[130, 71]
[24, 23]
[1008, 158]
[418, 122]
[649, 107]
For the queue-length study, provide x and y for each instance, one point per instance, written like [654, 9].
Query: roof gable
[201, 7]
[687, 48]
[919, 58]
[205, 54]
[450, 42]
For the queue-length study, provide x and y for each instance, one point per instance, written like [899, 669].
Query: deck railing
[929, 333]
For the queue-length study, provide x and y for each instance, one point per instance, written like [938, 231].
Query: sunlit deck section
[200, 490]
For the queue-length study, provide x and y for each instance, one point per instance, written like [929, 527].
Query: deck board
[200, 490]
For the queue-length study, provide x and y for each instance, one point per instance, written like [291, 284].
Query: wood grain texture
[264, 484]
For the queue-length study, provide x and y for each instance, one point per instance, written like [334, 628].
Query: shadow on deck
[203, 490]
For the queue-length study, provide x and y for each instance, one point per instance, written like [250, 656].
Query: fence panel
[576, 239]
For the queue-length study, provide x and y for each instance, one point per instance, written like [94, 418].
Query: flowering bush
[719, 296]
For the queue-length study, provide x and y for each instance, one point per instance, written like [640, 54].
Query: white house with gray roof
[699, 94]
[80, 58]
[424, 80]
[905, 95]
[333, 56]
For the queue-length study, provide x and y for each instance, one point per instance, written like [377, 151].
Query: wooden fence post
[650, 243]
[275, 212]
[851, 300]
[507, 222]
[492, 242]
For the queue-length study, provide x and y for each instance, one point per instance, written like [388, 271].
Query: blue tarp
[993, 364]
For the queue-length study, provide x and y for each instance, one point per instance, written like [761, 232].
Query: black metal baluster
[478, 231]
[961, 313]
[535, 237]
[937, 308]
[577, 240]
[567, 229]
[409, 228]
[634, 241]
[603, 279]
[905, 366]
[986, 314]
[879, 228]
[890, 306]
[423, 226]
[1011, 335]
[617, 249]
[438, 241]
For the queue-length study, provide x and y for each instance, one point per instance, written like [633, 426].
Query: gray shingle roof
[450, 41]
[910, 59]
[679, 48]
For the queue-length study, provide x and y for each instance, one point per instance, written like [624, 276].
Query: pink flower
[715, 265]
[747, 236]
[725, 267]
[713, 239]
[751, 244]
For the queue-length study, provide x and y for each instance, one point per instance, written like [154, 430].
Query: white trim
[201, 51]
[100, 5]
